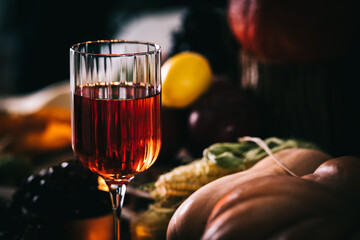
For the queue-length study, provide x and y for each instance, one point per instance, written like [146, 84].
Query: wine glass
[115, 115]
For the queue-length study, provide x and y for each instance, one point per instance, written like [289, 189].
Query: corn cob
[184, 180]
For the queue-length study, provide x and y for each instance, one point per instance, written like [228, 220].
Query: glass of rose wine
[115, 116]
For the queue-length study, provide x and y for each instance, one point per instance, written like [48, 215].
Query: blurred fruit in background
[223, 114]
[294, 31]
[185, 76]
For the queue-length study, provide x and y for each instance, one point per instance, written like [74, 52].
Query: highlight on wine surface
[116, 106]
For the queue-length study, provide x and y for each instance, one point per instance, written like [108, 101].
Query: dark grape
[53, 196]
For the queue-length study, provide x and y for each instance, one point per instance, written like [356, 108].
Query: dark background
[35, 35]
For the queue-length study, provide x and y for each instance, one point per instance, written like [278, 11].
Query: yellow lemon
[185, 76]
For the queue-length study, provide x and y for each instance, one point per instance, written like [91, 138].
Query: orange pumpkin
[322, 205]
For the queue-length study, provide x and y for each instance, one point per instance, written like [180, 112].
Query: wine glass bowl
[116, 104]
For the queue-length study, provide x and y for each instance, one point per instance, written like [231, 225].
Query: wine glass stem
[117, 194]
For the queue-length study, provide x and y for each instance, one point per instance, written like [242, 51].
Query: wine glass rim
[157, 48]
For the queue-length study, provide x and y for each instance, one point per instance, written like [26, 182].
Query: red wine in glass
[116, 129]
